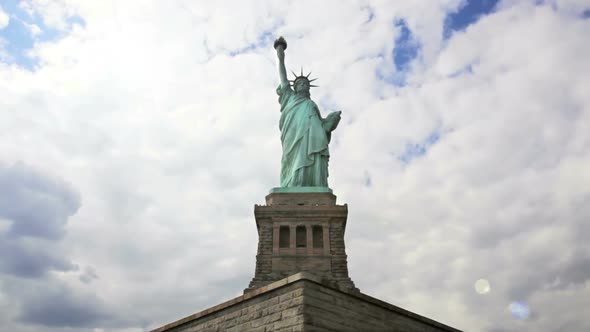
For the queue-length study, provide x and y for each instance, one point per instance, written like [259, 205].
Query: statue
[304, 133]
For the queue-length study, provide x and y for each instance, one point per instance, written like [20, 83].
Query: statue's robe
[305, 141]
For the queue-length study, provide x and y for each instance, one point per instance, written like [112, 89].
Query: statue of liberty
[304, 133]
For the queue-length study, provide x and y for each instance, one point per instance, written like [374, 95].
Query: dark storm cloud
[58, 306]
[38, 205]
[580, 206]
[575, 270]
[521, 216]
[88, 275]
[30, 259]
[49, 302]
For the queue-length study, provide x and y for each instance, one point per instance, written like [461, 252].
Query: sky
[137, 136]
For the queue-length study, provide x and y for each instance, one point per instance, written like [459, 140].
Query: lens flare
[482, 286]
[519, 310]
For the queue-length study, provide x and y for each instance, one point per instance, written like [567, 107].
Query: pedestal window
[318, 237]
[284, 237]
[301, 238]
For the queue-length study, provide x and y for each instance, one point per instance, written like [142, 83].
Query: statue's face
[302, 85]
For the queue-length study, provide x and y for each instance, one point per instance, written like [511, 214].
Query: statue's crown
[302, 77]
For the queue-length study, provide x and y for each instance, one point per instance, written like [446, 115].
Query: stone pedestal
[301, 281]
[301, 232]
[303, 303]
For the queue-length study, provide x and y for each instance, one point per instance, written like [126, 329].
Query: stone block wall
[277, 311]
[301, 303]
[263, 271]
[328, 310]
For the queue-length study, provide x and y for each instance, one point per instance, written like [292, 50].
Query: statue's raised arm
[280, 46]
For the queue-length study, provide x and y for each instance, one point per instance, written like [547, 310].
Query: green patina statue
[304, 133]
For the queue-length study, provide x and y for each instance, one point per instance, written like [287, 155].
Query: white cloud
[5, 224]
[33, 29]
[55, 14]
[4, 19]
[170, 141]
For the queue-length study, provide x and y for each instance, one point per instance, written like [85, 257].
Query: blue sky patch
[463, 71]
[470, 12]
[371, 14]
[416, 150]
[405, 50]
[19, 39]
[264, 40]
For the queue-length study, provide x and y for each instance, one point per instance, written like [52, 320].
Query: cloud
[164, 118]
[88, 275]
[60, 307]
[31, 259]
[35, 208]
[33, 28]
[38, 206]
[4, 19]
[55, 14]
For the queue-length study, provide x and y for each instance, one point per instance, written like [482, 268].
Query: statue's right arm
[282, 69]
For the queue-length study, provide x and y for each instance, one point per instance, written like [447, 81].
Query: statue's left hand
[331, 121]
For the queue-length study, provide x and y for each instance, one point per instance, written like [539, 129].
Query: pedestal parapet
[301, 232]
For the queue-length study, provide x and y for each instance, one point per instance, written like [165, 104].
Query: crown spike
[294, 73]
[301, 71]
[313, 86]
[308, 75]
[312, 80]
